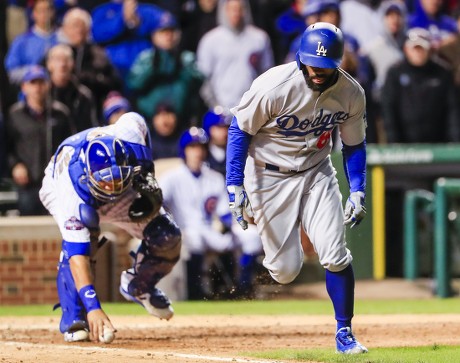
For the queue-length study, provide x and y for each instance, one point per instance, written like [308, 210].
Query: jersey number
[323, 139]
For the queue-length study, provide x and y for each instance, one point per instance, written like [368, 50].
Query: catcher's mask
[109, 174]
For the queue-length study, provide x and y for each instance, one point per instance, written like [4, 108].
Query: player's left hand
[149, 200]
[238, 199]
[354, 209]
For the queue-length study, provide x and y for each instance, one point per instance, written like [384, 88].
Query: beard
[329, 81]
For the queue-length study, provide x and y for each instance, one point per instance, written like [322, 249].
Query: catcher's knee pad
[162, 238]
[72, 308]
[158, 252]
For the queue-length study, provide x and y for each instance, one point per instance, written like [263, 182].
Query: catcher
[106, 174]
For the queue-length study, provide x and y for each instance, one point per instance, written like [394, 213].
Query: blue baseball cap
[167, 21]
[35, 72]
[216, 117]
[113, 103]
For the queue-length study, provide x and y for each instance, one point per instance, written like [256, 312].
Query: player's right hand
[238, 200]
[97, 319]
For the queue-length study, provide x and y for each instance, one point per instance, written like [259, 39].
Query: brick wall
[28, 271]
[29, 253]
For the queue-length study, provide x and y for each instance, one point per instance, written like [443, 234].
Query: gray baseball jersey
[289, 177]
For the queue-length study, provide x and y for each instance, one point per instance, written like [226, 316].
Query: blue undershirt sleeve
[354, 164]
[76, 248]
[237, 152]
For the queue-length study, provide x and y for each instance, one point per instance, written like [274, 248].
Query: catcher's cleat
[347, 343]
[155, 301]
[77, 332]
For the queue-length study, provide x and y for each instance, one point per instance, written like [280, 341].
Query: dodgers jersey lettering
[292, 125]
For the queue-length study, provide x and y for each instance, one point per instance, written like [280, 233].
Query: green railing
[415, 200]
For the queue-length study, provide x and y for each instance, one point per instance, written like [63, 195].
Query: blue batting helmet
[107, 168]
[216, 117]
[321, 46]
[194, 135]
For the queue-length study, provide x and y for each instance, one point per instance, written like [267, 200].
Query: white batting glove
[354, 209]
[238, 199]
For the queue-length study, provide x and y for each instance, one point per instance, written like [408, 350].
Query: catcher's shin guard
[157, 254]
[73, 321]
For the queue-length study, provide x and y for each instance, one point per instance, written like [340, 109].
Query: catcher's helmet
[109, 174]
[321, 46]
[194, 135]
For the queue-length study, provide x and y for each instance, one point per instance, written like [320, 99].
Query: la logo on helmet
[321, 50]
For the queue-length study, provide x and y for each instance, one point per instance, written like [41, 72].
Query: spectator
[418, 99]
[235, 47]
[386, 49]
[164, 74]
[123, 28]
[289, 25]
[16, 21]
[114, 106]
[430, 15]
[216, 123]
[360, 20]
[201, 19]
[30, 48]
[34, 130]
[265, 14]
[449, 51]
[195, 195]
[92, 66]
[165, 132]
[67, 89]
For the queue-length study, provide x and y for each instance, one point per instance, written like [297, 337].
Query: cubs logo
[210, 205]
[73, 224]
[321, 50]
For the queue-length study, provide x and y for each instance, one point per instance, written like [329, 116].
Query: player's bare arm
[97, 319]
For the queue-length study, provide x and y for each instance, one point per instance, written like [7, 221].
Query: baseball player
[196, 196]
[105, 174]
[280, 172]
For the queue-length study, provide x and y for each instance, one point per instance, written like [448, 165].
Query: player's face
[219, 135]
[195, 154]
[319, 79]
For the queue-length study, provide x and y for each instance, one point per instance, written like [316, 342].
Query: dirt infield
[207, 339]
[204, 339]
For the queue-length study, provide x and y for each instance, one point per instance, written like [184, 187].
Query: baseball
[108, 336]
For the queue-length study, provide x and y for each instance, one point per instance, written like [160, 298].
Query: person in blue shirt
[123, 27]
[30, 48]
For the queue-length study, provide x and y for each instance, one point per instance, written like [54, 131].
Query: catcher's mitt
[149, 199]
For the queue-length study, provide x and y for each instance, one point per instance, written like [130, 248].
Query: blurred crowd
[67, 65]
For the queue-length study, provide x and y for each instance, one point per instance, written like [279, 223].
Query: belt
[277, 168]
